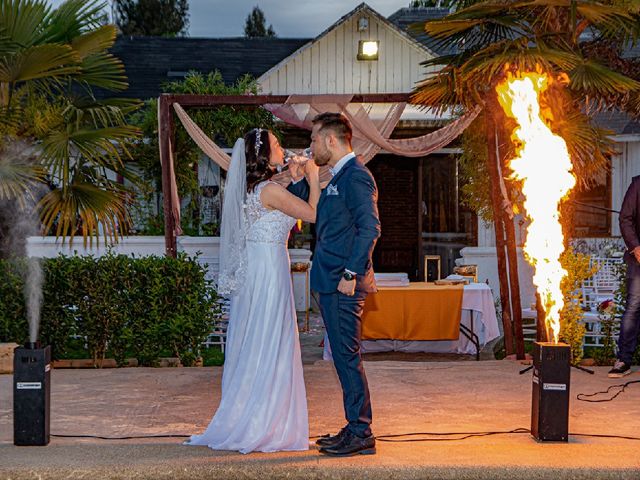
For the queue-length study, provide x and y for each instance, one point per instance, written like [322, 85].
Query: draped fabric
[370, 135]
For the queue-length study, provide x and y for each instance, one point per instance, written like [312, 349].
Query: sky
[290, 18]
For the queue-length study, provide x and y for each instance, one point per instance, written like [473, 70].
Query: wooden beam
[204, 101]
[166, 133]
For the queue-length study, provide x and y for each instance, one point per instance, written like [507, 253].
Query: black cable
[464, 436]
[596, 207]
[386, 438]
[134, 437]
[584, 396]
[597, 435]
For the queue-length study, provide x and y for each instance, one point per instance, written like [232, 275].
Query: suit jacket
[628, 218]
[347, 228]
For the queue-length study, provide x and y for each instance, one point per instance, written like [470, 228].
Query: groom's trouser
[342, 319]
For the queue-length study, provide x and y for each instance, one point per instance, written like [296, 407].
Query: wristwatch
[348, 276]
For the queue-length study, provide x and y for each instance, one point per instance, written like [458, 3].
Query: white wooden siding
[329, 64]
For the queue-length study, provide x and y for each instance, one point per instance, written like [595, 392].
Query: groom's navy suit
[347, 227]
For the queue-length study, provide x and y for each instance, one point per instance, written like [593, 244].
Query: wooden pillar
[512, 257]
[422, 274]
[498, 221]
[541, 327]
[166, 132]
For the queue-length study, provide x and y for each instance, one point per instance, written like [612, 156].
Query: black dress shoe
[331, 440]
[351, 445]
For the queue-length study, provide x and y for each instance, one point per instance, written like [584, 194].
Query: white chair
[218, 335]
[603, 284]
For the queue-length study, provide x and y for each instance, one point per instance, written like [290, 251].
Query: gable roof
[363, 8]
[405, 18]
[151, 61]
[620, 123]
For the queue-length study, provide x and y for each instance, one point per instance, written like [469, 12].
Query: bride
[263, 405]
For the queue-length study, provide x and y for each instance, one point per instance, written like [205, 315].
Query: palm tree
[560, 37]
[50, 62]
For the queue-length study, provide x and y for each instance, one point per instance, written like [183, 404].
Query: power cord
[585, 397]
[392, 438]
[134, 437]
[438, 435]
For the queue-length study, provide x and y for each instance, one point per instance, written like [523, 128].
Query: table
[477, 315]
[419, 311]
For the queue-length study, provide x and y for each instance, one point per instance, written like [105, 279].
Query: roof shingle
[151, 61]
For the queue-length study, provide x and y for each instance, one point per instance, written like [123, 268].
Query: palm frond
[84, 208]
[103, 70]
[99, 113]
[611, 21]
[100, 146]
[597, 79]
[440, 92]
[41, 61]
[518, 55]
[71, 19]
[20, 23]
[94, 41]
[19, 171]
[589, 147]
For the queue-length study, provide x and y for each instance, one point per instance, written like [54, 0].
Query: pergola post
[166, 129]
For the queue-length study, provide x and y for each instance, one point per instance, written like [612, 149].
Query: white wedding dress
[264, 404]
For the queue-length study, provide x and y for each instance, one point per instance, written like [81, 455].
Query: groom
[347, 227]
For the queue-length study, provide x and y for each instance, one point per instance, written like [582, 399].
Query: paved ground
[417, 396]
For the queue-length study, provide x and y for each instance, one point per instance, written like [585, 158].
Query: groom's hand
[347, 287]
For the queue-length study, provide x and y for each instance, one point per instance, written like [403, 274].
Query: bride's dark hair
[258, 168]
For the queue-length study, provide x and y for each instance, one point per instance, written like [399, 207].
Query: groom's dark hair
[336, 123]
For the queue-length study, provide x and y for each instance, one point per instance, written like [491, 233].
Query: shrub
[572, 328]
[118, 306]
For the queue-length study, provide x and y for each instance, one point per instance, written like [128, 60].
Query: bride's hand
[296, 169]
[311, 170]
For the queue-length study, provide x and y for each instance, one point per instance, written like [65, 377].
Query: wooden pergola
[166, 139]
[166, 132]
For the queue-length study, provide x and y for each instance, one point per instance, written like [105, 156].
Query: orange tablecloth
[421, 311]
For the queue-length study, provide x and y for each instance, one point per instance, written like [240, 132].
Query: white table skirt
[477, 301]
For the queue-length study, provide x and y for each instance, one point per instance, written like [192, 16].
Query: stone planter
[6, 357]
[88, 363]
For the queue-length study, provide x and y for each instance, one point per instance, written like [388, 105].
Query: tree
[53, 131]
[223, 124]
[153, 18]
[256, 25]
[567, 39]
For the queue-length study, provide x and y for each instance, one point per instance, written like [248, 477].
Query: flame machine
[31, 394]
[550, 399]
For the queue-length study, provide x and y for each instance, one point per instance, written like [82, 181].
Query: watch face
[347, 276]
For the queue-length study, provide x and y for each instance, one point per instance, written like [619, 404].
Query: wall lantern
[368, 49]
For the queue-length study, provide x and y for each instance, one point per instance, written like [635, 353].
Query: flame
[299, 224]
[543, 164]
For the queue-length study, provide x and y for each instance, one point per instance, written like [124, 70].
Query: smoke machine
[550, 400]
[31, 394]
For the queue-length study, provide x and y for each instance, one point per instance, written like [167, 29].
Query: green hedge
[114, 306]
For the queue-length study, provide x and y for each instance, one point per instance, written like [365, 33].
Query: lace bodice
[264, 225]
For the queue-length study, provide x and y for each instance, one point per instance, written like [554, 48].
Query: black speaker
[550, 401]
[31, 395]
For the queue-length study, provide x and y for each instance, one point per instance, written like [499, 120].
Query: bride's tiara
[258, 140]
